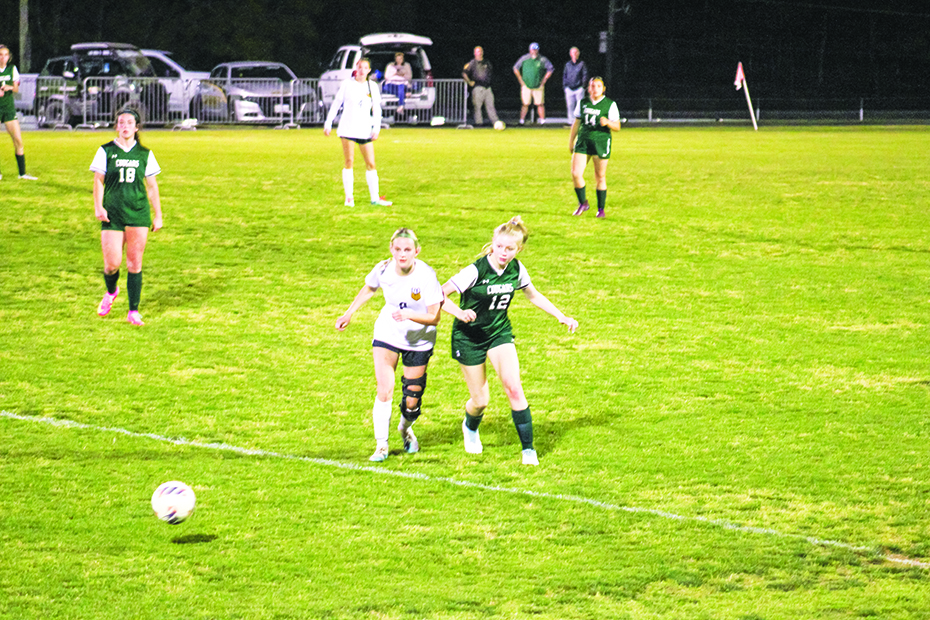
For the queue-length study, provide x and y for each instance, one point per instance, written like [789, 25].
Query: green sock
[601, 199]
[579, 191]
[21, 162]
[524, 423]
[134, 289]
[472, 421]
[111, 279]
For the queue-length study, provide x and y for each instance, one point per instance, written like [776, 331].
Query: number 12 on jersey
[500, 303]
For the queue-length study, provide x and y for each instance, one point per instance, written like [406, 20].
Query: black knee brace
[414, 413]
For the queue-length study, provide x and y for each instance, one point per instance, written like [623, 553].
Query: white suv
[380, 49]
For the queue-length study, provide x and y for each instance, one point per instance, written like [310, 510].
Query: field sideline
[749, 377]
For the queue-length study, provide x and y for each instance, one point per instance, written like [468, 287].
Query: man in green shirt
[533, 71]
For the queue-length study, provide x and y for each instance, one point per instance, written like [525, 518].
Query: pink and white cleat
[134, 317]
[107, 303]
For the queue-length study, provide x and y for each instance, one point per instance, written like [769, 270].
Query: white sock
[404, 424]
[381, 416]
[348, 182]
[372, 177]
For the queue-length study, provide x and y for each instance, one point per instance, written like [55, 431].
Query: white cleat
[381, 454]
[472, 440]
[27, 177]
[530, 458]
[411, 445]
[350, 202]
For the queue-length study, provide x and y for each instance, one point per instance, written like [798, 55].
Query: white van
[380, 49]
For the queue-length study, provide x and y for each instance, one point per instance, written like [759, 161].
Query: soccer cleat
[411, 444]
[381, 454]
[600, 213]
[26, 177]
[381, 202]
[134, 317]
[472, 440]
[1, 177]
[582, 207]
[350, 202]
[106, 303]
[530, 458]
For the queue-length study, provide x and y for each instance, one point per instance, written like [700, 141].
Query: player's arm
[363, 296]
[99, 212]
[466, 316]
[338, 100]
[542, 302]
[612, 119]
[573, 134]
[151, 188]
[430, 317]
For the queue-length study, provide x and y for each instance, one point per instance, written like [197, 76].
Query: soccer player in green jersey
[595, 117]
[124, 188]
[9, 85]
[482, 331]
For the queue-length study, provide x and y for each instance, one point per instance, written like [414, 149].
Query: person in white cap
[533, 71]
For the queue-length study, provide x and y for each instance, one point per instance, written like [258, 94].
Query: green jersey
[591, 113]
[7, 78]
[489, 294]
[125, 196]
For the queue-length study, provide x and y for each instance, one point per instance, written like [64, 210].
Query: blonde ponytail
[515, 227]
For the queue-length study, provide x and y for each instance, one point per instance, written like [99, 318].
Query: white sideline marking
[180, 441]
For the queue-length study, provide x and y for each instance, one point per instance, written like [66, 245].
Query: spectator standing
[533, 71]
[574, 80]
[398, 77]
[477, 74]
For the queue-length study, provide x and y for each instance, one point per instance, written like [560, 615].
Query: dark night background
[663, 48]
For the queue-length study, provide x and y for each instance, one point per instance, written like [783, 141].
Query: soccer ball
[173, 502]
[499, 125]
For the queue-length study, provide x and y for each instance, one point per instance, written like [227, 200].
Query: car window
[265, 72]
[338, 61]
[163, 69]
[135, 63]
[218, 73]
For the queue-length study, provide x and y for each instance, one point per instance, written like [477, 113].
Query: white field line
[180, 441]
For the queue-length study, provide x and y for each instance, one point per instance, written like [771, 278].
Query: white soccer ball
[499, 125]
[173, 502]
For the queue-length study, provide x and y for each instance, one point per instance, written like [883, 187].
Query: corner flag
[740, 82]
[740, 76]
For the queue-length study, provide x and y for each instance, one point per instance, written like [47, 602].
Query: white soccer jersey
[361, 109]
[416, 292]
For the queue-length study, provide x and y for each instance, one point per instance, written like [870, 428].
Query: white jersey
[415, 291]
[361, 110]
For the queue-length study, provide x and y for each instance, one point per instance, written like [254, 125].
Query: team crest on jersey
[415, 294]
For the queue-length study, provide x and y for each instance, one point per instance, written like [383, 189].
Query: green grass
[753, 351]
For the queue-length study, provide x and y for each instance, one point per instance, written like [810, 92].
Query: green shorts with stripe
[468, 351]
[122, 218]
[594, 144]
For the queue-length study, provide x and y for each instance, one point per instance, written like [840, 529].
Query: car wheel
[51, 114]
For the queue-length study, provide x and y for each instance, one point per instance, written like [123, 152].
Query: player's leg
[600, 175]
[507, 365]
[476, 380]
[371, 175]
[413, 384]
[111, 243]
[385, 361]
[348, 175]
[136, 238]
[13, 128]
[579, 163]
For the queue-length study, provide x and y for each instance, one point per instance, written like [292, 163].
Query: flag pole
[740, 82]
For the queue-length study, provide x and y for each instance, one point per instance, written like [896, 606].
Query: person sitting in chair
[398, 77]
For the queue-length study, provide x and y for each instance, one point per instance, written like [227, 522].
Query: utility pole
[25, 49]
[611, 28]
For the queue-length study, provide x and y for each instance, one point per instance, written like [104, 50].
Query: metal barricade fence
[306, 103]
[256, 101]
[57, 102]
[426, 100]
[103, 97]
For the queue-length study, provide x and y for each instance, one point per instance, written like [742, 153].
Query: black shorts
[410, 359]
[360, 140]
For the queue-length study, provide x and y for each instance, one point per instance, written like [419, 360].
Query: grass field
[738, 430]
